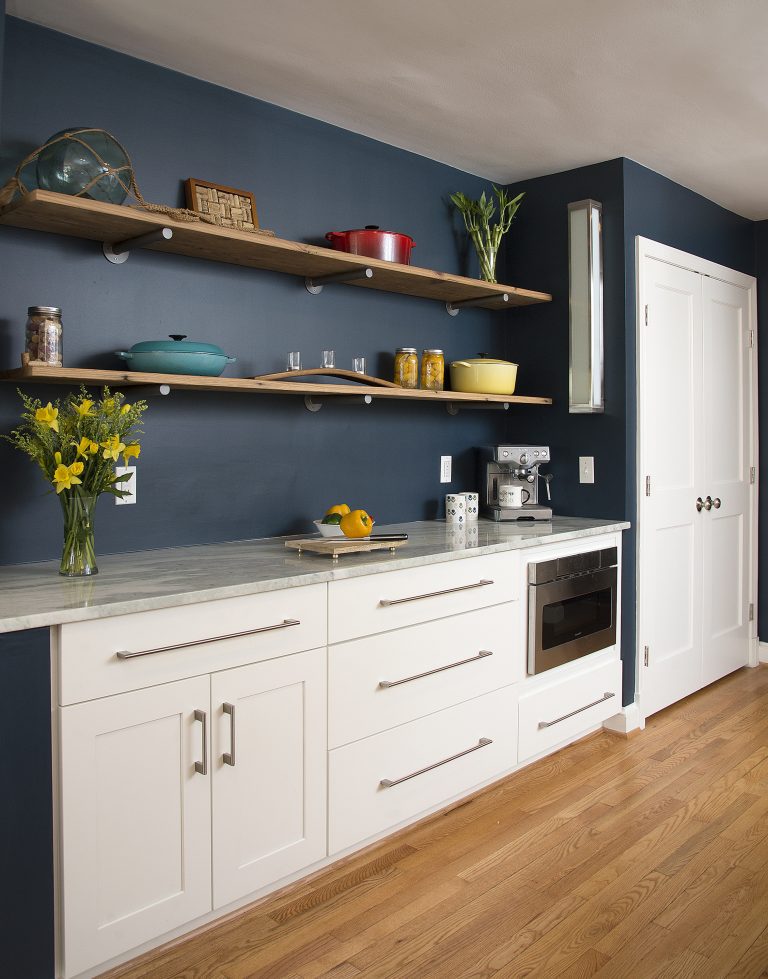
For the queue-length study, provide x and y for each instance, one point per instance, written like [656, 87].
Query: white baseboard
[762, 652]
[630, 719]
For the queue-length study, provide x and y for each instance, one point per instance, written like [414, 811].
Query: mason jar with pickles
[432, 370]
[406, 367]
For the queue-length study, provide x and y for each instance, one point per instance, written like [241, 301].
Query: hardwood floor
[615, 858]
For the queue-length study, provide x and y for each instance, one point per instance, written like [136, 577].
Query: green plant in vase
[76, 445]
[486, 236]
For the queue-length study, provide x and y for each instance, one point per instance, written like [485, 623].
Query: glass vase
[487, 253]
[78, 557]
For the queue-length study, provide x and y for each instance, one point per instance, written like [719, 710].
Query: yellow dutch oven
[483, 375]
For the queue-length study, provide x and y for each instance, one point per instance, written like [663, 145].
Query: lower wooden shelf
[35, 374]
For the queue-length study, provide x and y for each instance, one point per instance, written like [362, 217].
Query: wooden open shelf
[43, 210]
[35, 374]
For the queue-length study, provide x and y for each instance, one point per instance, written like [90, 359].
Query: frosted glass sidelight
[585, 259]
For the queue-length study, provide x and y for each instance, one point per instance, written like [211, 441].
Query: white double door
[170, 807]
[696, 540]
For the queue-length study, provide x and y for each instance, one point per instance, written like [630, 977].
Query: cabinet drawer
[375, 603]
[560, 711]
[428, 761]
[127, 652]
[381, 681]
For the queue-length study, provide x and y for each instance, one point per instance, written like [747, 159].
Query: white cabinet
[696, 542]
[211, 753]
[379, 681]
[135, 819]
[422, 697]
[565, 703]
[384, 780]
[268, 762]
[184, 796]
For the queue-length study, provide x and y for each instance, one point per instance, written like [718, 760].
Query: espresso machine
[503, 466]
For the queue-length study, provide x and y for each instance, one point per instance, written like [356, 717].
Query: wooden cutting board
[334, 546]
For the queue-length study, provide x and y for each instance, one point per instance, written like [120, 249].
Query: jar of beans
[44, 335]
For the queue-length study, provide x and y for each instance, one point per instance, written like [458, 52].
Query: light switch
[586, 469]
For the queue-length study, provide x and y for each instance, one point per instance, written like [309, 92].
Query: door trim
[646, 248]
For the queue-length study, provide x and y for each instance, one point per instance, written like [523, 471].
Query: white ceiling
[507, 89]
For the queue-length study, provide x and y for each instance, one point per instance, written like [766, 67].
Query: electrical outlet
[445, 469]
[127, 484]
[586, 469]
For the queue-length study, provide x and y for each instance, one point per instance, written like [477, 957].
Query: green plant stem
[78, 555]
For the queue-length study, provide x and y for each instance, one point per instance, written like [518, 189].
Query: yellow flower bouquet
[76, 446]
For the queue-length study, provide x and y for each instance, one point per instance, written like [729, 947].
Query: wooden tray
[334, 546]
[328, 372]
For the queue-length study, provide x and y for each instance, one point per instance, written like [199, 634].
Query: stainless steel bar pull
[433, 594]
[131, 654]
[439, 669]
[557, 720]
[387, 783]
[229, 756]
[202, 766]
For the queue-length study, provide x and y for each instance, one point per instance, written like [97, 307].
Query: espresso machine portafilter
[514, 465]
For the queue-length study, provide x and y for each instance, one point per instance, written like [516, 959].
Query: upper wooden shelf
[43, 210]
[36, 374]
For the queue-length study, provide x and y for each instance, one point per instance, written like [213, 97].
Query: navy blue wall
[217, 467]
[761, 270]
[537, 250]
[26, 832]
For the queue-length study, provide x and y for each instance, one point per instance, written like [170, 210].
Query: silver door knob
[717, 503]
[699, 504]
[708, 503]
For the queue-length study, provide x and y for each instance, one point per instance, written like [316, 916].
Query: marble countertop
[35, 595]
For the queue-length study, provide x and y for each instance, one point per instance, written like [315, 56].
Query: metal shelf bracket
[146, 390]
[498, 299]
[314, 403]
[118, 252]
[454, 407]
[315, 284]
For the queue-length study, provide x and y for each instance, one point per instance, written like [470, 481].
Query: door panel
[725, 569]
[135, 820]
[670, 543]
[269, 808]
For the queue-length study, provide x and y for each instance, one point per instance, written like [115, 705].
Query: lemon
[340, 508]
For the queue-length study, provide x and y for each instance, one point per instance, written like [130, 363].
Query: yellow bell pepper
[356, 524]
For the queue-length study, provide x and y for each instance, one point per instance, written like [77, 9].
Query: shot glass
[358, 365]
[329, 358]
[294, 360]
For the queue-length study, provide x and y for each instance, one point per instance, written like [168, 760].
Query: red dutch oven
[370, 241]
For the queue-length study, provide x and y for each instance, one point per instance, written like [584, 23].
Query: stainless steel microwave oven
[571, 607]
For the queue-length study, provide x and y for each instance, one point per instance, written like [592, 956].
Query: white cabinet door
[671, 529]
[135, 819]
[268, 760]
[726, 552]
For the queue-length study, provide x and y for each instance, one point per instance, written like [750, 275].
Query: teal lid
[177, 343]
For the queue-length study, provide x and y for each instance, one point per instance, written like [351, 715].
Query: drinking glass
[358, 365]
[294, 360]
[329, 358]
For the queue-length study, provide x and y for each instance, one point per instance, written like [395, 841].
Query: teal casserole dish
[176, 356]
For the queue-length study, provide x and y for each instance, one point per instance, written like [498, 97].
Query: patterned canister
[471, 505]
[455, 508]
